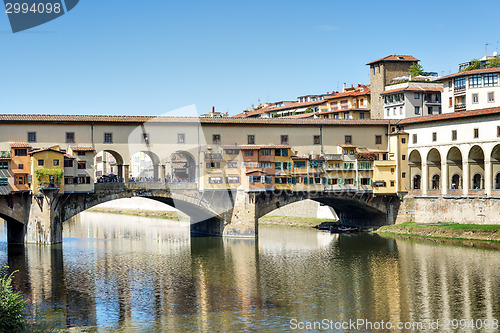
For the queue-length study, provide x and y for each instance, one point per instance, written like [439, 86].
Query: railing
[48, 186]
[459, 90]
[460, 107]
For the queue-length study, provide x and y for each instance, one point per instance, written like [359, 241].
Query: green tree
[12, 305]
[474, 64]
[416, 69]
[494, 62]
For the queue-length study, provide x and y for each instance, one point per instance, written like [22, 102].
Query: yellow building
[47, 169]
[352, 103]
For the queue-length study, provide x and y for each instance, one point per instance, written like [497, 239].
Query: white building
[471, 90]
[410, 99]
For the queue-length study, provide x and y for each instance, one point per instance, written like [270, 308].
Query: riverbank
[483, 232]
[168, 215]
[292, 221]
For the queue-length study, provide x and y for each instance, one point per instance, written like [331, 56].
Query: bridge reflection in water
[149, 275]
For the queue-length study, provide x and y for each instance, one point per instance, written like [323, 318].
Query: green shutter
[323, 180]
[311, 180]
[329, 181]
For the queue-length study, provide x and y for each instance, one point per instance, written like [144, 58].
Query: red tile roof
[46, 149]
[82, 149]
[474, 71]
[416, 89]
[453, 115]
[20, 145]
[344, 110]
[69, 156]
[303, 115]
[350, 93]
[395, 58]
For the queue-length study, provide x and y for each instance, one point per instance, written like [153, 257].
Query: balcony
[459, 91]
[460, 107]
[49, 186]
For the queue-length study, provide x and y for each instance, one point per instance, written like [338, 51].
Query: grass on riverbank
[292, 221]
[168, 215]
[488, 232]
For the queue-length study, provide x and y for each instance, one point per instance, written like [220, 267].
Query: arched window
[455, 182]
[416, 182]
[435, 182]
[477, 182]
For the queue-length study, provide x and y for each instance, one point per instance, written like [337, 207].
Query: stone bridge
[234, 213]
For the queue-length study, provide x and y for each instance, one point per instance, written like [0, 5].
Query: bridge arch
[105, 165]
[182, 167]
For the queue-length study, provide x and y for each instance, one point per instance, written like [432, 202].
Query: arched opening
[434, 169]
[476, 168]
[108, 166]
[144, 167]
[477, 182]
[495, 166]
[456, 182]
[182, 167]
[415, 169]
[455, 168]
[417, 182]
[435, 182]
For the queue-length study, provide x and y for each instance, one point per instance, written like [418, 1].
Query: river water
[131, 274]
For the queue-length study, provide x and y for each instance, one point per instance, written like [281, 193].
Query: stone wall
[457, 210]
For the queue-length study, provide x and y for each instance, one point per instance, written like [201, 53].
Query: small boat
[342, 229]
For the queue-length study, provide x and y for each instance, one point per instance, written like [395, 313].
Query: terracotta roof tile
[303, 115]
[395, 57]
[415, 89]
[46, 149]
[350, 94]
[295, 105]
[474, 71]
[69, 156]
[453, 115]
[82, 149]
[20, 145]
[344, 110]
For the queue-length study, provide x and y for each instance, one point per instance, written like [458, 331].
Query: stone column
[444, 176]
[156, 172]
[243, 218]
[425, 179]
[163, 172]
[487, 175]
[43, 225]
[120, 170]
[125, 173]
[465, 177]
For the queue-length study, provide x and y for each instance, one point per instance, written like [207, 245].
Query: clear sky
[149, 57]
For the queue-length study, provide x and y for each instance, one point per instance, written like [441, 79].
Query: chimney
[343, 89]
[213, 109]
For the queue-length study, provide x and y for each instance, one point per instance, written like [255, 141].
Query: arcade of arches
[456, 170]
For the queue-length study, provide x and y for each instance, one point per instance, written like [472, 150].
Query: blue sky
[152, 56]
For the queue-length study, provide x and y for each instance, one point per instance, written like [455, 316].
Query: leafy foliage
[416, 69]
[12, 305]
[366, 156]
[48, 172]
[474, 64]
[494, 62]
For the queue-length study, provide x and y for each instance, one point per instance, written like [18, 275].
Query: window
[265, 152]
[266, 165]
[21, 152]
[4, 165]
[414, 138]
[20, 180]
[82, 165]
[70, 137]
[299, 164]
[56, 162]
[364, 165]
[388, 112]
[284, 152]
[392, 183]
[429, 110]
[108, 137]
[233, 180]
[365, 181]
[417, 95]
[348, 165]
[213, 165]
[475, 98]
[476, 133]
[491, 97]
[277, 165]
[454, 135]
[31, 136]
[361, 115]
[490, 80]
[316, 140]
[450, 102]
[40, 162]
[248, 152]
[460, 83]
[346, 115]
[403, 175]
[145, 138]
[403, 140]
[269, 179]
[68, 163]
[348, 139]
[251, 139]
[277, 152]
[378, 139]
[349, 181]
[216, 138]
[394, 111]
[434, 136]
[498, 131]
[181, 138]
[232, 151]
[284, 139]
[215, 180]
[400, 110]
[417, 109]
[232, 165]
[475, 81]
[4, 181]
[68, 180]
[403, 157]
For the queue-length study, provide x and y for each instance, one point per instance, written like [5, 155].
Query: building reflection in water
[126, 273]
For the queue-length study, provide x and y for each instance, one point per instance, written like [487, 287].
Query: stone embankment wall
[454, 210]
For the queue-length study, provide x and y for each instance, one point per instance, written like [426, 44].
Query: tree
[12, 305]
[474, 64]
[416, 69]
[494, 62]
